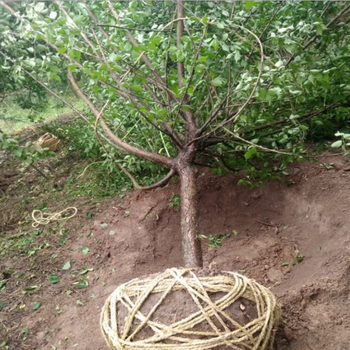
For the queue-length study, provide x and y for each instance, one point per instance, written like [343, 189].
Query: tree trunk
[192, 250]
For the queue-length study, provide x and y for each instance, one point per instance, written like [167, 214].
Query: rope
[186, 334]
[41, 218]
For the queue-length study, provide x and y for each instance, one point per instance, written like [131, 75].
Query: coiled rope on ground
[224, 331]
[41, 218]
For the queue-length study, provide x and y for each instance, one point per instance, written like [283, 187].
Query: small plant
[298, 259]
[235, 232]
[4, 345]
[53, 279]
[25, 333]
[175, 201]
[33, 250]
[344, 142]
[216, 240]
[64, 233]
[3, 285]
[329, 166]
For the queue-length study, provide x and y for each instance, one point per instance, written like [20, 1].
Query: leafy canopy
[254, 73]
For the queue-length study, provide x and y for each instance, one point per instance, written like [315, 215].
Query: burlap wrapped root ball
[183, 309]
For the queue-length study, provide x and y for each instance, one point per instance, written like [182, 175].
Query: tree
[15, 88]
[188, 84]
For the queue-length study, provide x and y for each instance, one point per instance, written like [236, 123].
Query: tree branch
[262, 148]
[302, 118]
[159, 183]
[128, 28]
[190, 118]
[130, 95]
[174, 136]
[235, 116]
[124, 146]
[179, 34]
[162, 182]
[71, 21]
[136, 44]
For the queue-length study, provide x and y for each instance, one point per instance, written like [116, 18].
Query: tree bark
[191, 245]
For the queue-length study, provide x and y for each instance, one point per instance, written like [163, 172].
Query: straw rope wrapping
[41, 218]
[258, 334]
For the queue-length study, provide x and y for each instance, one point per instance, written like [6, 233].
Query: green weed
[215, 241]
[175, 201]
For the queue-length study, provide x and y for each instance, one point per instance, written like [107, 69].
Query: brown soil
[293, 239]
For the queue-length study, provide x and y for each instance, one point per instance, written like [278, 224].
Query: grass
[13, 118]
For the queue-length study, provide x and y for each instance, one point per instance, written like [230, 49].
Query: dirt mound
[291, 236]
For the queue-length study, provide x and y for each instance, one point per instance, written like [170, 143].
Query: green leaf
[311, 78]
[319, 28]
[36, 306]
[217, 81]
[78, 19]
[111, 233]
[85, 271]
[249, 4]
[151, 46]
[53, 15]
[112, 57]
[128, 47]
[237, 56]
[67, 265]
[39, 7]
[2, 285]
[156, 40]
[137, 88]
[202, 59]
[279, 64]
[299, 258]
[29, 289]
[180, 56]
[185, 39]
[200, 67]
[250, 153]
[215, 43]
[225, 13]
[61, 21]
[71, 66]
[337, 144]
[53, 279]
[2, 304]
[225, 47]
[5, 345]
[80, 303]
[81, 285]
[62, 50]
[104, 225]
[85, 250]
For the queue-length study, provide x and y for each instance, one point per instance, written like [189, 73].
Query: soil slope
[292, 238]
